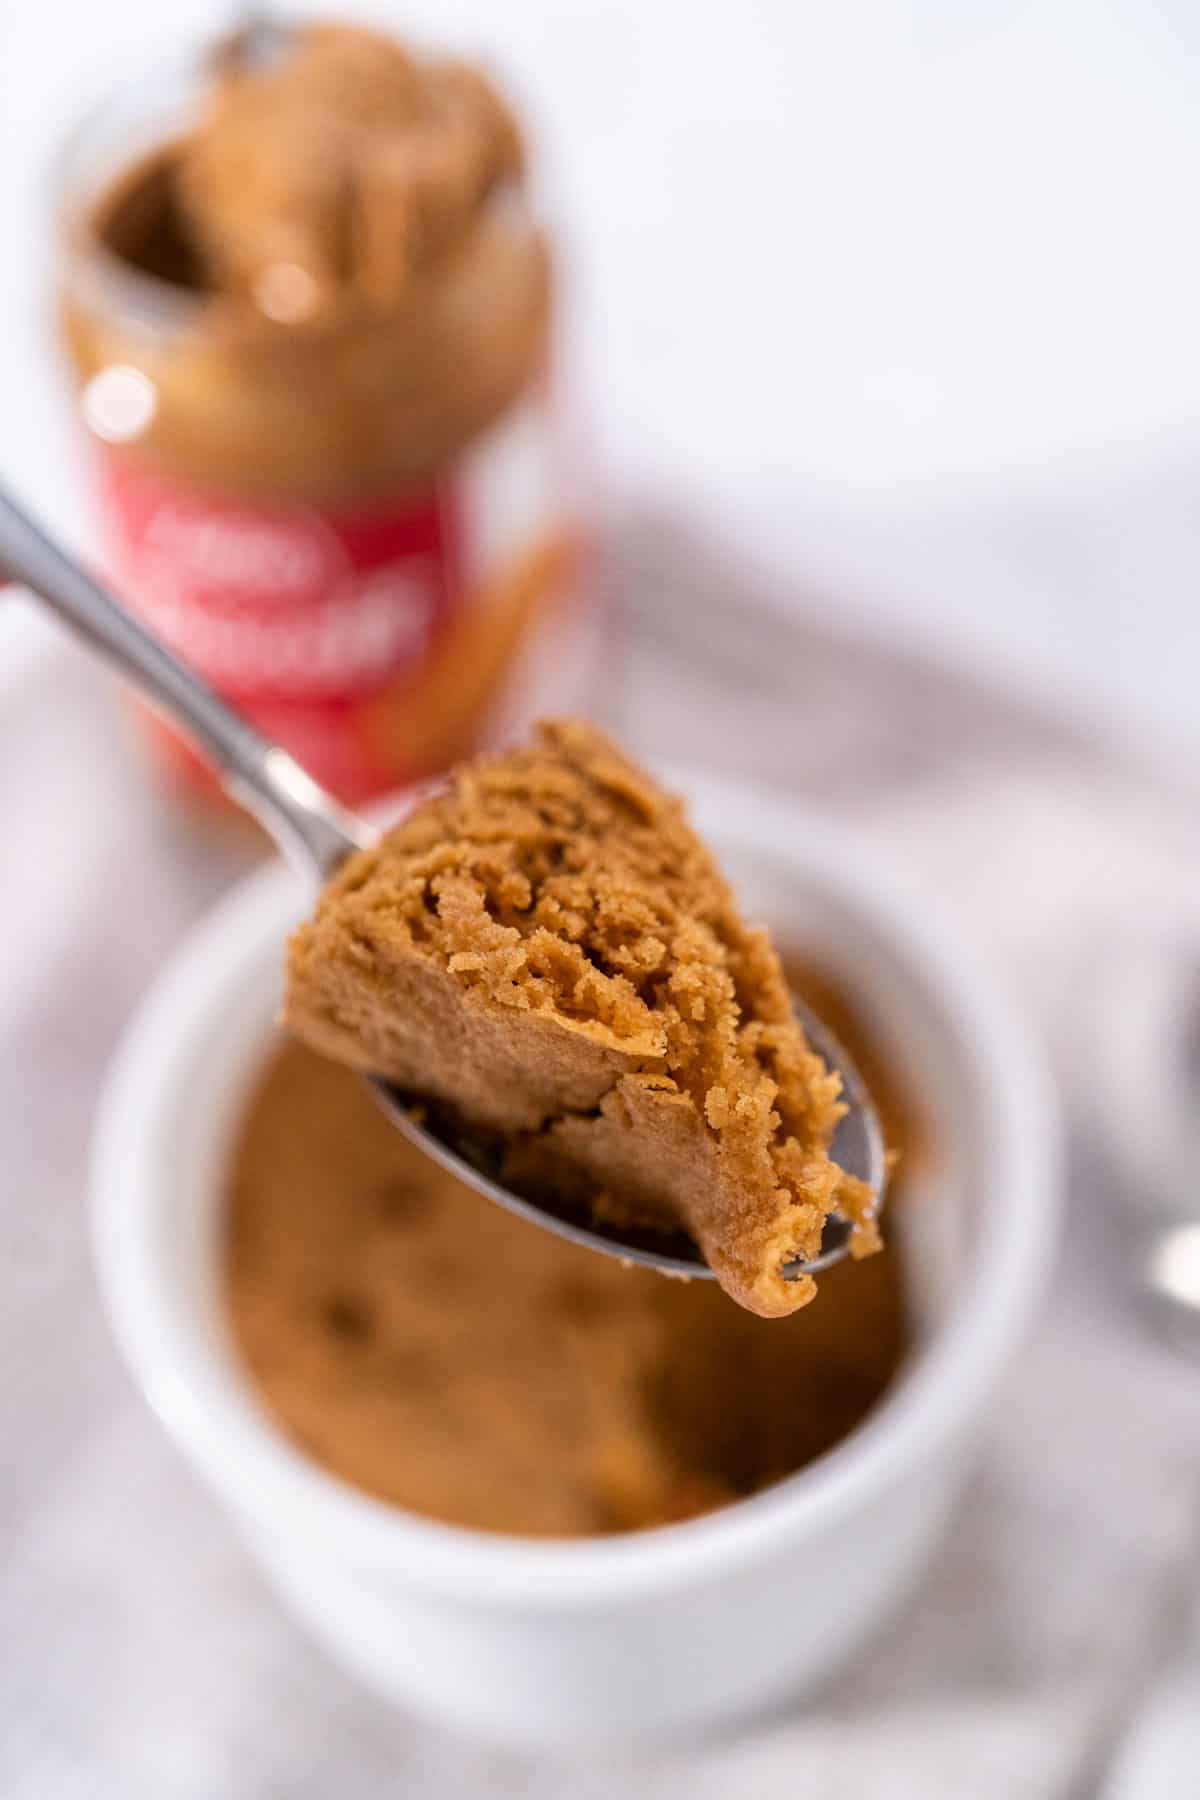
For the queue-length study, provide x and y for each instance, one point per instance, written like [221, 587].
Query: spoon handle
[307, 823]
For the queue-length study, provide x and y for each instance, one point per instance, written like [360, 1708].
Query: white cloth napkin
[144, 1660]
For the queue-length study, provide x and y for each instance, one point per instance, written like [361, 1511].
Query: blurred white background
[902, 298]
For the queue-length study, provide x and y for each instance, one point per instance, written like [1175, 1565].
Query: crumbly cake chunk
[546, 947]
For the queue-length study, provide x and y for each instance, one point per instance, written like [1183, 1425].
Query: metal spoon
[317, 834]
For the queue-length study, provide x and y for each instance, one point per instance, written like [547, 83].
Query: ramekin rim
[249, 1459]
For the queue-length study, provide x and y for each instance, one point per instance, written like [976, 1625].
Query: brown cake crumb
[547, 948]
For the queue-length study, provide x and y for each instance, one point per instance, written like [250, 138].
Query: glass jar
[359, 528]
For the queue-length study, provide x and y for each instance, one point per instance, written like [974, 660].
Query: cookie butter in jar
[310, 306]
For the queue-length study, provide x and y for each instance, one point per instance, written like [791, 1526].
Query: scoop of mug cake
[547, 950]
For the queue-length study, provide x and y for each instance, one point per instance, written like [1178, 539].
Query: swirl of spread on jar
[330, 275]
[341, 170]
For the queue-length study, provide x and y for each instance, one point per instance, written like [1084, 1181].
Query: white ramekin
[654, 1633]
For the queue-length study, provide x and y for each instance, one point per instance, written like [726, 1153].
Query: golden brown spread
[356, 286]
[428, 1347]
[339, 165]
[546, 948]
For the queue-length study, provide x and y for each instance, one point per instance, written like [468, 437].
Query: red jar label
[377, 642]
[284, 603]
[314, 623]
